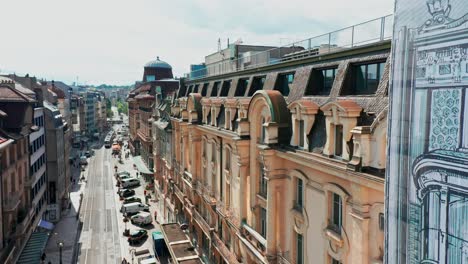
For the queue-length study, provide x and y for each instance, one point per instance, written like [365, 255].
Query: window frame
[354, 77]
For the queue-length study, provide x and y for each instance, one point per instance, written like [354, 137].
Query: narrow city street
[99, 239]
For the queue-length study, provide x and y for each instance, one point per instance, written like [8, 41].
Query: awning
[33, 250]
[45, 224]
[141, 166]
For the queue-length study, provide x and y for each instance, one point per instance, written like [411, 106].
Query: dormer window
[225, 88]
[283, 83]
[365, 78]
[257, 84]
[204, 89]
[338, 140]
[321, 81]
[214, 90]
[301, 134]
[241, 87]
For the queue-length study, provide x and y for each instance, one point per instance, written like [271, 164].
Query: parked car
[133, 208]
[130, 182]
[124, 177]
[126, 193]
[137, 236]
[87, 154]
[131, 200]
[141, 218]
[122, 173]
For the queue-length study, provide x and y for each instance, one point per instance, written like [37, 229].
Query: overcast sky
[109, 41]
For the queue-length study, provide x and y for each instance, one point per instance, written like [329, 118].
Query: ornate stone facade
[264, 178]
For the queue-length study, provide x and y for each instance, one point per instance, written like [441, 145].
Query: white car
[142, 218]
[133, 208]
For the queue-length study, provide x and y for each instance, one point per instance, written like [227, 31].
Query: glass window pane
[372, 79]
[359, 79]
[299, 249]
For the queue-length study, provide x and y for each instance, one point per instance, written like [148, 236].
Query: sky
[109, 41]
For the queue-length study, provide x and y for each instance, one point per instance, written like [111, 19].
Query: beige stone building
[283, 163]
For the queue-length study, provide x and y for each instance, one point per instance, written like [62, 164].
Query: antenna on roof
[219, 44]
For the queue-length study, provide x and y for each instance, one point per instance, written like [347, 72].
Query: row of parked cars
[132, 207]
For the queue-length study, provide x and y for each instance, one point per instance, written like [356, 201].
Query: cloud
[110, 40]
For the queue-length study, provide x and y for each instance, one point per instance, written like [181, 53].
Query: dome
[158, 64]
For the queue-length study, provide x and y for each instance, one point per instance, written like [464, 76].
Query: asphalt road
[100, 240]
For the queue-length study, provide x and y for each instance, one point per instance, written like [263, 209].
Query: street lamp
[60, 246]
[132, 253]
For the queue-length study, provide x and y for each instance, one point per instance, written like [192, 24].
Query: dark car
[131, 200]
[137, 236]
[88, 154]
[126, 193]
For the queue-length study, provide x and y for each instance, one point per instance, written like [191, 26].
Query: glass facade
[427, 175]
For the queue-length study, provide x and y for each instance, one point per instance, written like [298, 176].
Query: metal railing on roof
[372, 31]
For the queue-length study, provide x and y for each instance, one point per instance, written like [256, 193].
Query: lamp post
[60, 246]
[132, 253]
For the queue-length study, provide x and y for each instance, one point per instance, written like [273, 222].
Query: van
[133, 208]
[130, 182]
[142, 218]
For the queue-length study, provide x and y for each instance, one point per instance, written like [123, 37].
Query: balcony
[11, 202]
[228, 213]
[283, 258]
[224, 251]
[143, 136]
[179, 193]
[209, 195]
[199, 187]
[253, 240]
[207, 228]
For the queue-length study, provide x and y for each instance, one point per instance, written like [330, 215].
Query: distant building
[238, 57]
[157, 84]
[56, 163]
[281, 163]
[16, 116]
[197, 70]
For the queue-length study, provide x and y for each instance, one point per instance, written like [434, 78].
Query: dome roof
[158, 64]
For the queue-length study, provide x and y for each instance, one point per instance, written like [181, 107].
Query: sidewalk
[66, 230]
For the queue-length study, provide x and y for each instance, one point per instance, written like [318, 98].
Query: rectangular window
[299, 193]
[301, 133]
[283, 83]
[225, 88]
[338, 140]
[241, 87]
[299, 249]
[263, 182]
[381, 222]
[228, 160]
[257, 84]
[214, 90]
[263, 131]
[321, 82]
[337, 207]
[263, 222]
[213, 152]
[366, 78]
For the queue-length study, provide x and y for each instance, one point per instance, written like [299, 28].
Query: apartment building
[58, 182]
[158, 84]
[16, 116]
[283, 163]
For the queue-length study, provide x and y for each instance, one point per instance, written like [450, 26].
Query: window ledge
[334, 236]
